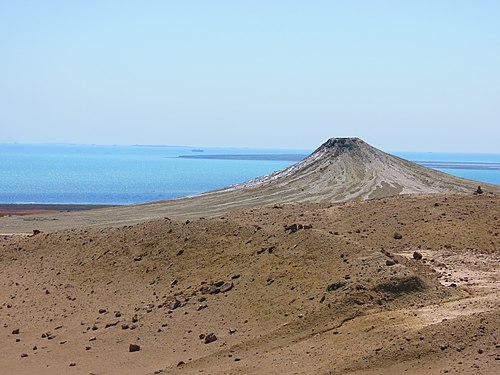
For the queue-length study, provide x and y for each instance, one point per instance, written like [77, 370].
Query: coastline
[17, 209]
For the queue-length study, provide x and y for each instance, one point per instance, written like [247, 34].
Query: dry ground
[338, 295]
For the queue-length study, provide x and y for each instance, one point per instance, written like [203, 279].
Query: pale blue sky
[404, 75]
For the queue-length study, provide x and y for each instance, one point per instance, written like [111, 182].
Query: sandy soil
[338, 292]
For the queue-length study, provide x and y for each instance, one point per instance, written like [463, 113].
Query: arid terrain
[399, 285]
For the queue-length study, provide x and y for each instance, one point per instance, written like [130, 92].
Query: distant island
[273, 157]
[299, 157]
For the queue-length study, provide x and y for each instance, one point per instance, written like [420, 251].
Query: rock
[226, 287]
[180, 363]
[443, 346]
[175, 304]
[201, 307]
[16, 331]
[390, 262]
[36, 231]
[134, 348]
[180, 252]
[201, 336]
[173, 283]
[235, 276]
[397, 236]
[210, 338]
[102, 311]
[24, 355]
[478, 190]
[137, 258]
[212, 289]
[118, 314]
[111, 324]
[72, 364]
[292, 228]
[336, 285]
[417, 255]
[93, 338]
[124, 326]
[218, 284]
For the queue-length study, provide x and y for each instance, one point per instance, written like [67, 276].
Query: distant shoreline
[10, 209]
[297, 157]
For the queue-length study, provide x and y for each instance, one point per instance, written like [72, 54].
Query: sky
[419, 75]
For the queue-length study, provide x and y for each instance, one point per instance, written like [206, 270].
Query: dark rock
[134, 348]
[417, 255]
[112, 324]
[24, 355]
[210, 338]
[218, 284]
[180, 363]
[36, 231]
[235, 276]
[397, 236]
[180, 252]
[102, 311]
[175, 304]
[226, 287]
[336, 285]
[390, 262]
[137, 258]
[292, 228]
[124, 326]
[16, 331]
[72, 364]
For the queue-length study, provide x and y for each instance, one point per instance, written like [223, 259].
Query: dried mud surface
[285, 289]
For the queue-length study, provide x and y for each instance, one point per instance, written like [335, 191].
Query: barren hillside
[405, 284]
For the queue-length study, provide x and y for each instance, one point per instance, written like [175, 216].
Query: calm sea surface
[134, 174]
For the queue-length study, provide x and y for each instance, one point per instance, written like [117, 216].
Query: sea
[116, 175]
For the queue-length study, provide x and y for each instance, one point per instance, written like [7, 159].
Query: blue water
[87, 174]
[118, 174]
